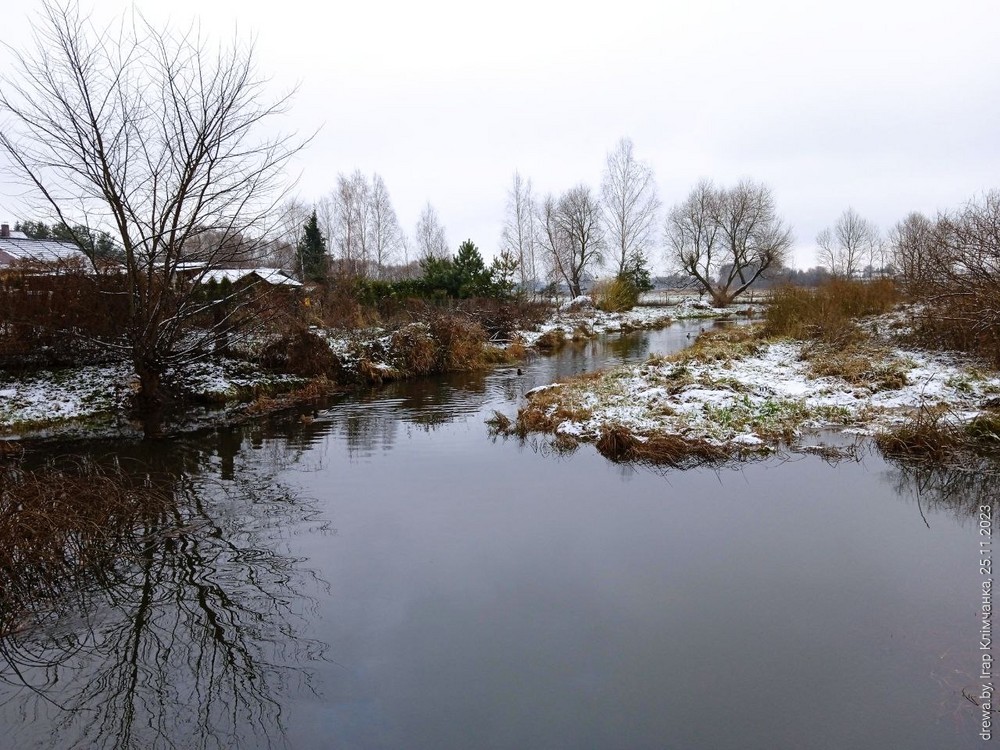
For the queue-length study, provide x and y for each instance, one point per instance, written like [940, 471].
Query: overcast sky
[884, 106]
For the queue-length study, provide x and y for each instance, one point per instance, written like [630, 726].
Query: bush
[299, 351]
[617, 295]
[462, 343]
[951, 267]
[56, 319]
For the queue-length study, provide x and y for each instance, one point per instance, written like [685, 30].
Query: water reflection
[377, 420]
[193, 634]
[958, 489]
[508, 595]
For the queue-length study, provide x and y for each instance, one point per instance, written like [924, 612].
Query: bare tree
[350, 230]
[520, 231]
[726, 239]
[384, 233]
[430, 238]
[851, 245]
[694, 237]
[152, 136]
[630, 203]
[572, 236]
[953, 268]
[291, 218]
[912, 249]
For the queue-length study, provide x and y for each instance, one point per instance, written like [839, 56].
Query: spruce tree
[473, 277]
[312, 252]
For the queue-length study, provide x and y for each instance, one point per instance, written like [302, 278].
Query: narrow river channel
[382, 573]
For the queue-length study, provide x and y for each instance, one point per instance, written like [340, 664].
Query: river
[383, 573]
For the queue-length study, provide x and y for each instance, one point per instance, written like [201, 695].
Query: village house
[19, 252]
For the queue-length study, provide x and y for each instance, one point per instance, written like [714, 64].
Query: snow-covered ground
[759, 399]
[100, 393]
[39, 400]
[580, 314]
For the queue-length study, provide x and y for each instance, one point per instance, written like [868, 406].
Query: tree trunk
[150, 402]
[721, 297]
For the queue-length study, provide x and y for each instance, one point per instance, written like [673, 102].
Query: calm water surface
[383, 574]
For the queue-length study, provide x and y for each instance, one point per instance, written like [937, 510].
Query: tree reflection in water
[191, 634]
[959, 489]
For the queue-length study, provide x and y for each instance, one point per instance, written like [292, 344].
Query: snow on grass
[760, 398]
[589, 321]
[67, 394]
[222, 380]
[47, 398]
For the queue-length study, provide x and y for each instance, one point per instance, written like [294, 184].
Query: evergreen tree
[34, 230]
[97, 245]
[502, 271]
[473, 277]
[312, 252]
[637, 274]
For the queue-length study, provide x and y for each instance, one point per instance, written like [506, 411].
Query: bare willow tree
[429, 237]
[572, 236]
[152, 136]
[630, 203]
[519, 238]
[725, 239]
[852, 245]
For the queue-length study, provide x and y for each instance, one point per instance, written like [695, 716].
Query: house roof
[22, 250]
[273, 276]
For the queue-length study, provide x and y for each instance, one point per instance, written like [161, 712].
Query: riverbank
[737, 392]
[277, 374]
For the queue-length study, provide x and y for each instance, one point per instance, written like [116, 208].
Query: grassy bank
[829, 358]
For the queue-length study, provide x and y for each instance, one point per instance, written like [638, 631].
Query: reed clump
[827, 312]
[615, 295]
[546, 410]
[857, 362]
[619, 444]
[935, 436]
[723, 345]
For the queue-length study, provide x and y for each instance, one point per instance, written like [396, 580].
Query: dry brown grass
[301, 352]
[827, 312]
[461, 342]
[499, 423]
[444, 343]
[619, 444]
[723, 345]
[964, 321]
[415, 349]
[374, 372]
[551, 341]
[516, 350]
[858, 363]
[933, 436]
[316, 389]
[549, 408]
[546, 410]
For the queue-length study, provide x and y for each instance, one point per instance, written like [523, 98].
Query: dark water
[383, 574]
